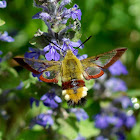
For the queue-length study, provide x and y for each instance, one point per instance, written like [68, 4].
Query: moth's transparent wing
[93, 65]
[93, 72]
[48, 70]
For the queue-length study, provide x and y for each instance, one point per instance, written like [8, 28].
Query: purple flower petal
[43, 120]
[20, 86]
[42, 15]
[51, 100]
[82, 56]
[130, 121]
[32, 100]
[57, 99]
[124, 100]
[79, 137]
[101, 122]
[116, 84]
[3, 4]
[76, 13]
[80, 113]
[5, 37]
[118, 68]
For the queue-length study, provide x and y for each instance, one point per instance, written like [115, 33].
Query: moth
[72, 71]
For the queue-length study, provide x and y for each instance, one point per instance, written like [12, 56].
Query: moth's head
[69, 53]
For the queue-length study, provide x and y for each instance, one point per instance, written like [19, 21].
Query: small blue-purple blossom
[1, 54]
[20, 86]
[101, 121]
[44, 119]
[116, 84]
[79, 137]
[130, 121]
[118, 68]
[114, 120]
[124, 101]
[51, 100]
[37, 75]
[34, 53]
[3, 4]
[84, 56]
[76, 13]
[32, 100]
[120, 136]
[42, 15]
[67, 44]
[80, 113]
[101, 138]
[63, 3]
[51, 52]
[5, 37]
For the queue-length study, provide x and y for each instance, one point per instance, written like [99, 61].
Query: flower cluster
[113, 119]
[58, 39]
[4, 36]
[44, 119]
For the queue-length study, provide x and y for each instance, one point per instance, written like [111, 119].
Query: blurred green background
[112, 23]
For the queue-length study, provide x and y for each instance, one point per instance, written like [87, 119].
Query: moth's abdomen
[74, 91]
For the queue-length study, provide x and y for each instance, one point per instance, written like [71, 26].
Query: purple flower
[52, 53]
[101, 121]
[84, 56]
[20, 86]
[34, 53]
[32, 100]
[51, 100]
[75, 12]
[101, 138]
[5, 37]
[80, 113]
[67, 44]
[120, 136]
[37, 75]
[44, 119]
[124, 100]
[63, 3]
[3, 4]
[79, 137]
[114, 120]
[42, 15]
[130, 121]
[118, 68]
[1, 54]
[116, 84]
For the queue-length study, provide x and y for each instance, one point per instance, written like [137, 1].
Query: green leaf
[40, 40]
[87, 129]
[89, 83]
[13, 72]
[0, 135]
[31, 80]
[133, 92]
[68, 127]
[29, 134]
[2, 22]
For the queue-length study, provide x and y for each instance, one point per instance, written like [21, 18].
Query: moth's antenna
[54, 44]
[83, 42]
